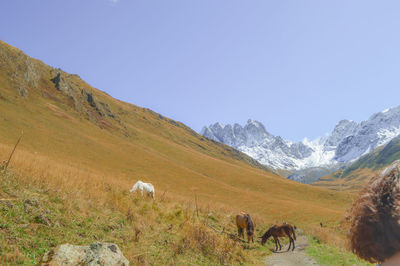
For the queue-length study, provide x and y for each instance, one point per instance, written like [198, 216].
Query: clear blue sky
[297, 66]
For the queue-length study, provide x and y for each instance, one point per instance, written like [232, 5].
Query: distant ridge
[347, 142]
[353, 176]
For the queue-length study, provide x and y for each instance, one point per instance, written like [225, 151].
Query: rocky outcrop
[83, 98]
[62, 85]
[343, 129]
[23, 71]
[94, 254]
[25, 76]
[23, 92]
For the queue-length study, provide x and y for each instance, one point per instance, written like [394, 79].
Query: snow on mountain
[348, 141]
[378, 130]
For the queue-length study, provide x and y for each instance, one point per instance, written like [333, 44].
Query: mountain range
[348, 141]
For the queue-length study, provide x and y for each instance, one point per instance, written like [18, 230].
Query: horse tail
[294, 234]
[250, 226]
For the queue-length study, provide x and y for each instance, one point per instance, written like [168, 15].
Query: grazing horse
[243, 221]
[143, 187]
[279, 231]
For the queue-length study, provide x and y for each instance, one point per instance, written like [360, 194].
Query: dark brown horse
[243, 221]
[279, 231]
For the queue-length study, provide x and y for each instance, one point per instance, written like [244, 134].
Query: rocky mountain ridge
[348, 141]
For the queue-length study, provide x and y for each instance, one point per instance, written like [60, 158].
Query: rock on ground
[94, 254]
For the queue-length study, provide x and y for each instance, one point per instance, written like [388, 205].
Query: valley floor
[45, 203]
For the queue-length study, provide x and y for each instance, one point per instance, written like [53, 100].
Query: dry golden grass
[81, 206]
[352, 183]
[260, 193]
[90, 189]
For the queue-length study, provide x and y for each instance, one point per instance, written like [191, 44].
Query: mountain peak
[252, 121]
[348, 141]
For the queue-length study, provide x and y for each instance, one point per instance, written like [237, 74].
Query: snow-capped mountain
[348, 141]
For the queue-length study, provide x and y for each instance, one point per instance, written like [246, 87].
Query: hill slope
[359, 172]
[83, 142]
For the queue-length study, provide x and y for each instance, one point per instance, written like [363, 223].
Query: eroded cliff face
[23, 76]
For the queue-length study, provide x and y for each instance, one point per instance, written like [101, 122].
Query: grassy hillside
[80, 143]
[358, 173]
[41, 208]
[379, 158]
[35, 217]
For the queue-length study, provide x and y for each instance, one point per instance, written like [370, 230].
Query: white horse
[144, 187]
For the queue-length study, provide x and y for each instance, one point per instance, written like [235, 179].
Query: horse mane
[250, 226]
[266, 235]
[269, 230]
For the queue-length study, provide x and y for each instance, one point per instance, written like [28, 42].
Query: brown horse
[243, 221]
[279, 231]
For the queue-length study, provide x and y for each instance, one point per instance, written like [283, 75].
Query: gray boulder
[94, 254]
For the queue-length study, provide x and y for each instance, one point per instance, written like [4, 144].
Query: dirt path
[291, 258]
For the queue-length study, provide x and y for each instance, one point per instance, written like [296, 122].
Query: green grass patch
[328, 255]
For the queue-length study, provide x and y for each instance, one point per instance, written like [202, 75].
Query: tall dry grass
[166, 231]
